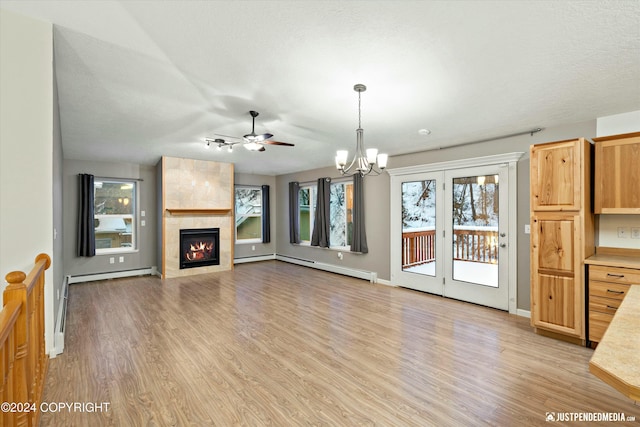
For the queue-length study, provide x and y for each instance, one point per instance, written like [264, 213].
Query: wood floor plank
[276, 344]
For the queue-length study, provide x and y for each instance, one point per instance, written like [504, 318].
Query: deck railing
[477, 245]
[418, 247]
[24, 359]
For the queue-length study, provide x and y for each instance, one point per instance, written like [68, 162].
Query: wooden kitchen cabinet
[617, 174]
[562, 236]
[607, 288]
[555, 176]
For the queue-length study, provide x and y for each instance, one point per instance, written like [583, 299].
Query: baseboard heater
[371, 276]
[58, 335]
[113, 275]
[254, 258]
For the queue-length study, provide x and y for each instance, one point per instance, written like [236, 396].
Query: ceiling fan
[251, 141]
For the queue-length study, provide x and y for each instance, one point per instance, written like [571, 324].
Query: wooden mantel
[196, 211]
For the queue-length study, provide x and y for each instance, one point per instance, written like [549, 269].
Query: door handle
[503, 245]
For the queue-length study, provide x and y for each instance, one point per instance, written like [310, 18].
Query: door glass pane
[475, 229]
[419, 227]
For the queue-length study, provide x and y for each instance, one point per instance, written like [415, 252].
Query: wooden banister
[30, 361]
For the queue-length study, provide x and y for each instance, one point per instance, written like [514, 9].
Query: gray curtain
[359, 241]
[322, 224]
[86, 245]
[266, 217]
[294, 213]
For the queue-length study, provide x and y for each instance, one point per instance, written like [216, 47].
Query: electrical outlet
[623, 232]
[527, 229]
[121, 259]
[253, 247]
[112, 260]
[635, 232]
[143, 223]
[142, 213]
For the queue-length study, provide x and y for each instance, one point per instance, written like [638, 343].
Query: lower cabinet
[557, 279]
[607, 288]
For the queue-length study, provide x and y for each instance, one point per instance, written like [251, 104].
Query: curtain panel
[322, 224]
[266, 215]
[86, 244]
[294, 212]
[359, 239]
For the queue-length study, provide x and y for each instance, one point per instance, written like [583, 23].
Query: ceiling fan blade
[227, 136]
[278, 143]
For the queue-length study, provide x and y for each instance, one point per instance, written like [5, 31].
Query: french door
[451, 233]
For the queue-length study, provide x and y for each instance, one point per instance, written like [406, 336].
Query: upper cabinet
[555, 176]
[617, 175]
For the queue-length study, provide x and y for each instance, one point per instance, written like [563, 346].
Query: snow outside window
[248, 201]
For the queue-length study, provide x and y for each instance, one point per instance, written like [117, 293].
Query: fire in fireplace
[199, 247]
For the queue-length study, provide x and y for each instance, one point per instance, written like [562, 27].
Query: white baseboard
[523, 313]
[386, 283]
[254, 258]
[371, 276]
[113, 275]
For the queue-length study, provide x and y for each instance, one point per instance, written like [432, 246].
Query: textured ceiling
[142, 79]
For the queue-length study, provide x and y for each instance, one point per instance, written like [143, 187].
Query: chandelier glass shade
[366, 160]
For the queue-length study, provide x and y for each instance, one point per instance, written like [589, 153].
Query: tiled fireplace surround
[195, 194]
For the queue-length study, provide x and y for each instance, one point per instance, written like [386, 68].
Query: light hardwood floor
[277, 344]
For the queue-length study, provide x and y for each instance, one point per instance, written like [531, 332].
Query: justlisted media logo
[551, 416]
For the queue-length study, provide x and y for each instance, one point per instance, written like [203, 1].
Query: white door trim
[510, 160]
[457, 164]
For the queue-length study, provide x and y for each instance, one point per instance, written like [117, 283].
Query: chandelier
[364, 161]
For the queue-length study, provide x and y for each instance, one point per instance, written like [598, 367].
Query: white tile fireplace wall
[195, 194]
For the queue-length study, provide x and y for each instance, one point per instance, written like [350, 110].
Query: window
[114, 215]
[307, 200]
[341, 213]
[248, 214]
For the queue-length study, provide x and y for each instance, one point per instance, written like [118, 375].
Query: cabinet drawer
[616, 275]
[604, 305]
[608, 290]
[598, 324]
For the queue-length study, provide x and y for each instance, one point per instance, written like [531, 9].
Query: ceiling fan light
[252, 146]
[230, 149]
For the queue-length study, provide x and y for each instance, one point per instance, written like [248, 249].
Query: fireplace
[199, 247]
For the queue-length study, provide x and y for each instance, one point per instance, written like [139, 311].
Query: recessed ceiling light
[424, 132]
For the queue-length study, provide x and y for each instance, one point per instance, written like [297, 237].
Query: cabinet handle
[615, 275]
[615, 292]
[612, 308]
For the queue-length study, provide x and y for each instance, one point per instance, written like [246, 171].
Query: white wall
[618, 123]
[26, 149]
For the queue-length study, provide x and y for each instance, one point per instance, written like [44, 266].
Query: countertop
[614, 260]
[616, 360]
